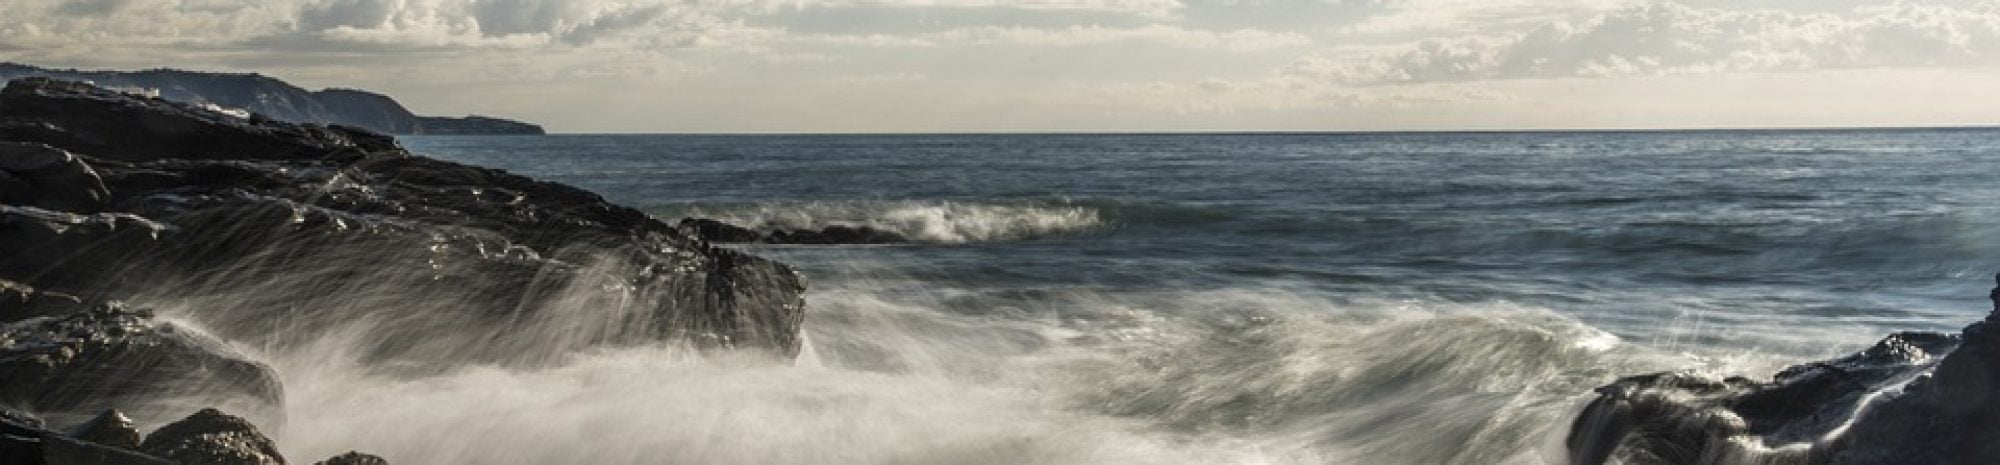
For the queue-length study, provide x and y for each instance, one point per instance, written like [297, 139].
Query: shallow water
[1353, 298]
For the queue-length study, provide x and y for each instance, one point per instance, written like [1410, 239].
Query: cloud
[1238, 40]
[1150, 8]
[500, 23]
[1672, 38]
[92, 7]
[1459, 16]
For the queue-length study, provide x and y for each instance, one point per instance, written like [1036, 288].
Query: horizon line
[1207, 132]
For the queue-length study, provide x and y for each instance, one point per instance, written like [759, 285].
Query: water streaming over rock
[1085, 299]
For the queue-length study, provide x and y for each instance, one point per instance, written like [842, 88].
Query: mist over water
[1394, 299]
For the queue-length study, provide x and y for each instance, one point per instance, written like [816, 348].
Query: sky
[754, 66]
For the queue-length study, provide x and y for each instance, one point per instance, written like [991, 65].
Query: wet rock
[47, 249]
[47, 177]
[106, 356]
[116, 126]
[836, 234]
[58, 450]
[24, 441]
[210, 437]
[354, 458]
[1913, 398]
[717, 231]
[720, 232]
[20, 301]
[277, 230]
[110, 428]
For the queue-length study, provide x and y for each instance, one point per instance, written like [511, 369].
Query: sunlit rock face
[277, 236]
[1913, 398]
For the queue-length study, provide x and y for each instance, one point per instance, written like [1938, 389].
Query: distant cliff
[276, 99]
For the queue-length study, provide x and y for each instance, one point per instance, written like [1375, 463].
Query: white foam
[926, 221]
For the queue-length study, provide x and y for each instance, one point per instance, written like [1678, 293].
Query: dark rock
[106, 356]
[1913, 398]
[110, 125]
[58, 450]
[19, 302]
[23, 441]
[278, 232]
[720, 232]
[210, 437]
[20, 438]
[354, 458]
[836, 234]
[110, 428]
[44, 249]
[717, 231]
[46, 177]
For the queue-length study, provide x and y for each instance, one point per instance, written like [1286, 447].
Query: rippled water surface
[1341, 298]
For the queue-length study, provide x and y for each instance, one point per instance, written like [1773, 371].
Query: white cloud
[1238, 40]
[1148, 8]
[1671, 38]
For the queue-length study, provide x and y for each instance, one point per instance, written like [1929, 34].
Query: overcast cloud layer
[1075, 65]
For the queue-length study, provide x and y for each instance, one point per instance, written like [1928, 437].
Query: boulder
[353, 458]
[47, 177]
[210, 437]
[105, 356]
[110, 428]
[1914, 398]
[23, 441]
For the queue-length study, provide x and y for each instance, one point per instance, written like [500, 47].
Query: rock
[23, 441]
[720, 232]
[277, 232]
[1913, 398]
[210, 437]
[44, 249]
[105, 356]
[20, 301]
[115, 126]
[354, 458]
[110, 428]
[836, 234]
[717, 231]
[49, 178]
[58, 450]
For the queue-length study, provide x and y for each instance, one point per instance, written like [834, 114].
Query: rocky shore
[270, 234]
[1911, 399]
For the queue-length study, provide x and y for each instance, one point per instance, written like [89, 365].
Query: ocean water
[1205, 299]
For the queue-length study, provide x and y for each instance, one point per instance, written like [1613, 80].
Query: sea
[1364, 298]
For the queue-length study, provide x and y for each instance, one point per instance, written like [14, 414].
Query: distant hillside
[279, 100]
